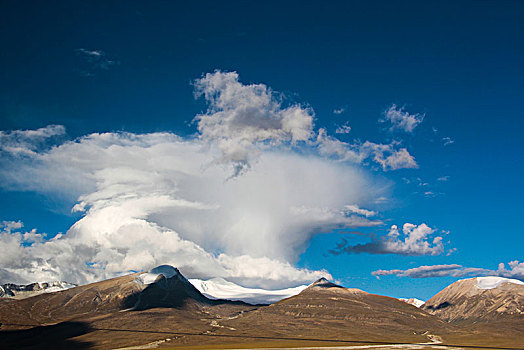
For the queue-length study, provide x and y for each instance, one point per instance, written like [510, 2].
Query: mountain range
[163, 308]
[18, 291]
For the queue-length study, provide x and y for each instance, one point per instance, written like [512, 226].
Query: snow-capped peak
[413, 301]
[167, 271]
[323, 282]
[491, 282]
[219, 288]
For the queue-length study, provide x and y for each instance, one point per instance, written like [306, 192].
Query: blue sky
[112, 67]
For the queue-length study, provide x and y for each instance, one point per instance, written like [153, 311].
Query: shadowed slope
[119, 309]
[57, 336]
[166, 288]
[139, 291]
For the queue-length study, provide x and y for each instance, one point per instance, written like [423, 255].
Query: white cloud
[417, 241]
[364, 212]
[339, 110]
[9, 226]
[94, 61]
[388, 156]
[243, 116]
[516, 270]
[421, 271]
[443, 178]
[331, 146]
[447, 141]
[381, 200]
[401, 120]
[244, 119]
[156, 198]
[343, 129]
[27, 142]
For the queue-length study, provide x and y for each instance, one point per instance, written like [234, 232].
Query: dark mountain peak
[165, 270]
[324, 283]
[165, 286]
[162, 272]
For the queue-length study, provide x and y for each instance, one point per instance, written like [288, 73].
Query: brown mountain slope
[328, 311]
[117, 294]
[489, 310]
[164, 308]
[481, 298]
[101, 297]
[351, 316]
[108, 313]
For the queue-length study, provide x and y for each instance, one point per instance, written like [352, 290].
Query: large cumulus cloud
[149, 200]
[239, 200]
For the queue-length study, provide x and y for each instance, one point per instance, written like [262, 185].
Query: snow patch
[56, 286]
[413, 301]
[219, 288]
[491, 282]
[163, 270]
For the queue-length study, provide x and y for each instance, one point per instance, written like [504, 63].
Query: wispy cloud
[343, 129]
[417, 240]
[516, 270]
[424, 188]
[339, 111]
[422, 271]
[360, 211]
[400, 120]
[444, 178]
[447, 141]
[419, 182]
[27, 142]
[94, 61]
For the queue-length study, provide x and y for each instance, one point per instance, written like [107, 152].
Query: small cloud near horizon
[417, 241]
[516, 270]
